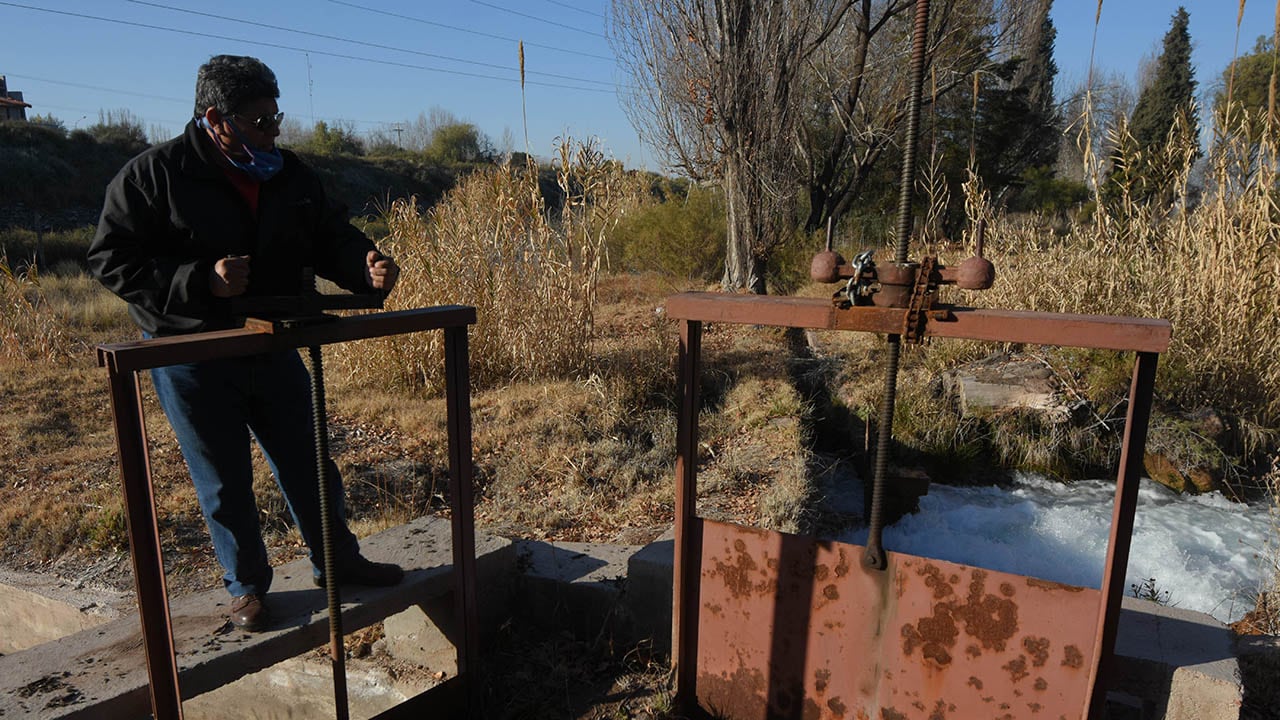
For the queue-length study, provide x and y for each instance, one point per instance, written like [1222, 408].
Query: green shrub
[459, 142]
[683, 236]
[330, 140]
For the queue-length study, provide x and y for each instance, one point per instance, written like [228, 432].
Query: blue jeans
[213, 407]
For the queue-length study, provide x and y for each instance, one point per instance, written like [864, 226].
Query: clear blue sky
[94, 55]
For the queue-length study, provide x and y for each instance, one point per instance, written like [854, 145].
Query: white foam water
[1204, 552]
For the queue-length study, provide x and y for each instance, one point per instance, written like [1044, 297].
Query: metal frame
[124, 360]
[1146, 337]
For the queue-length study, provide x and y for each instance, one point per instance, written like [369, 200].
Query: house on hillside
[12, 107]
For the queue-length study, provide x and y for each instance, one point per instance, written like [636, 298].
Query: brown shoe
[249, 612]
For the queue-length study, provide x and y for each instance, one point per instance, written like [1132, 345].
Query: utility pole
[397, 129]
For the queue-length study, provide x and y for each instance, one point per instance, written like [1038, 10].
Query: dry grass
[530, 272]
[1212, 270]
[30, 329]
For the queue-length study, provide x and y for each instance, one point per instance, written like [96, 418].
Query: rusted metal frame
[461, 493]
[1132, 453]
[124, 360]
[1145, 336]
[686, 571]
[177, 349]
[144, 539]
[1020, 326]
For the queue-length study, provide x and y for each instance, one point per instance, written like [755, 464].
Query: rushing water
[1204, 551]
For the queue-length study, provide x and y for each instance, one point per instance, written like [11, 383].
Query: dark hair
[229, 82]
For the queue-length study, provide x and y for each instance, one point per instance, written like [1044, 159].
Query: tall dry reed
[1212, 268]
[529, 269]
[29, 329]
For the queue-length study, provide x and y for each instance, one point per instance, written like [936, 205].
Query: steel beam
[1036, 328]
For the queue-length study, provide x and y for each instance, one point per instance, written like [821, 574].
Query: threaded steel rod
[337, 652]
[911, 141]
[874, 557]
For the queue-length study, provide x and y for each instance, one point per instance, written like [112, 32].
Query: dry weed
[530, 271]
[1212, 270]
[29, 329]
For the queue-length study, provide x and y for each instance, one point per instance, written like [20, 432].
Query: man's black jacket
[171, 213]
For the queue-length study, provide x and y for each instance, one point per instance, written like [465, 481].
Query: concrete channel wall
[1175, 664]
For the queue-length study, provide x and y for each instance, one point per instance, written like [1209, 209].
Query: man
[216, 214]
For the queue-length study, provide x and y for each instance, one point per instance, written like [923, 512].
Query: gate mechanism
[769, 625]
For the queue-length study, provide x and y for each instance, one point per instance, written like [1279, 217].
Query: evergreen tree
[1171, 91]
[1141, 169]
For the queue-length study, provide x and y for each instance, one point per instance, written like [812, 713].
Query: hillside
[55, 180]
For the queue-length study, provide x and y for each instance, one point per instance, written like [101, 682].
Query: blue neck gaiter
[262, 164]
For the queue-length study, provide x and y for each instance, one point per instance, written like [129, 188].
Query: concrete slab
[1181, 663]
[576, 587]
[649, 598]
[35, 609]
[101, 672]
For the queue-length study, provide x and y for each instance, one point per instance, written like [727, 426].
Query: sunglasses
[266, 123]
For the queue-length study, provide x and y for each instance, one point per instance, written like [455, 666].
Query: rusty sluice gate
[770, 625]
[125, 360]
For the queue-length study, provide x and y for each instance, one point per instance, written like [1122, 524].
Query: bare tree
[713, 93]
[857, 95]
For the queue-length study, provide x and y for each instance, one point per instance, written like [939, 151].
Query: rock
[1183, 452]
[1004, 382]
[1192, 480]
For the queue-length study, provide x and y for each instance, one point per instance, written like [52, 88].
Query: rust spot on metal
[940, 710]
[934, 580]
[836, 707]
[820, 680]
[1035, 707]
[934, 634]
[973, 651]
[891, 714]
[1006, 589]
[990, 619]
[1017, 668]
[953, 579]
[737, 576]
[821, 572]
[1072, 657]
[842, 566]
[1041, 684]
[975, 683]
[739, 695]
[1037, 648]
[714, 608]
[830, 592]
[1050, 585]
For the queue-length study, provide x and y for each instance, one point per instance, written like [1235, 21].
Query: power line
[535, 18]
[469, 31]
[95, 87]
[118, 91]
[279, 46]
[361, 42]
[576, 9]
